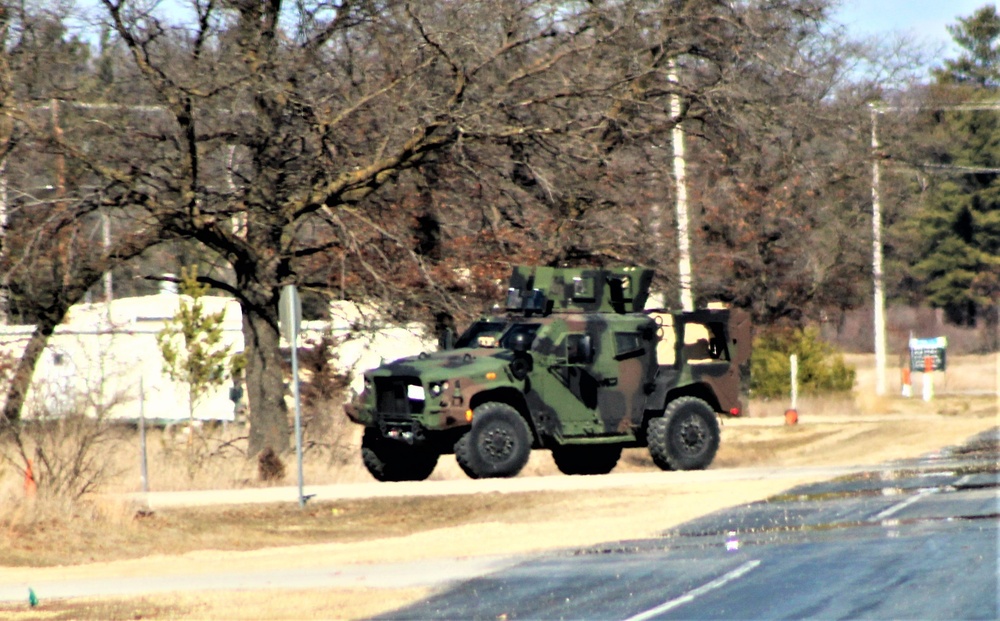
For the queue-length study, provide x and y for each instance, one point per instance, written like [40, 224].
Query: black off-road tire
[391, 460]
[498, 444]
[686, 437]
[656, 431]
[586, 459]
[463, 457]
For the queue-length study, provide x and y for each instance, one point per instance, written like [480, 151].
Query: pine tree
[960, 264]
[979, 36]
[191, 343]
[959, 261]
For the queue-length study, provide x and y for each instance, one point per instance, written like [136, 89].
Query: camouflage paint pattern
[590, 374]
[583, 290]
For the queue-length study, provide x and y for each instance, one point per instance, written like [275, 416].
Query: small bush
[323, 391]
[66, 457]
[270, 468]
[821, 367]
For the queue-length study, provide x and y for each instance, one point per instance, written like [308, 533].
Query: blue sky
[923, 19]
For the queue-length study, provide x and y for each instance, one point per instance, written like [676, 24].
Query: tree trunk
[17, 392]
[265, 383]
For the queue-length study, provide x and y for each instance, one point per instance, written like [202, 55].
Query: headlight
[438, 387]
[415, 393]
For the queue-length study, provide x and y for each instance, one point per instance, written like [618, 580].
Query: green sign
[923, 351]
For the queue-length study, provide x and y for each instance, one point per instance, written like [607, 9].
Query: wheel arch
[512, 397]
[699, 390]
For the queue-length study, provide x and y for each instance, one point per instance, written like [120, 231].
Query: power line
[960, 169]
[967, 107]
[104, 106]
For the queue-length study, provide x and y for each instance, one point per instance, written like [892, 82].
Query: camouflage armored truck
[575, 366]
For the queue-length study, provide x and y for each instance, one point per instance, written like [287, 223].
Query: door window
[579, 349]
[705, 342]
[628, 345]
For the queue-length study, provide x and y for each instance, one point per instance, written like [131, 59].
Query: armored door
[589, 386]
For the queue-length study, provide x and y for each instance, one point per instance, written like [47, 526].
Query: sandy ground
[759, 457]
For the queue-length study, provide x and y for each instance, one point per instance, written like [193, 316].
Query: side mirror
[447, 340]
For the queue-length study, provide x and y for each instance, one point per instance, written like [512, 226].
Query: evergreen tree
[979, 36]
[191, 343]
[959, 225]
[961, 260]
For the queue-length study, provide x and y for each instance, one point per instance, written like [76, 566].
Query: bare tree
[309, 112]
[404, 151]
[49, 260]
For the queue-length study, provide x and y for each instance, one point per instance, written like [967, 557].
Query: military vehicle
[576, 366]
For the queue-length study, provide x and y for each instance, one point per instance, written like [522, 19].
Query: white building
[104, 355]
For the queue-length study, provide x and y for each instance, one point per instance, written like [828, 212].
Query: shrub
[192, 346]
[821, 367]
[323, 391]
[67, 456]
[269, 466]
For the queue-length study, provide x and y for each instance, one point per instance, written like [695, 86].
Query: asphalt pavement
[916, 539]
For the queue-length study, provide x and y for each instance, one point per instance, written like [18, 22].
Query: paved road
[435, 574]
[917, 540]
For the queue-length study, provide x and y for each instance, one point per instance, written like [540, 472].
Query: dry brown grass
[49, 541]
[332, 443]
[237, 606]
[971, 382]
[38, 533]
[970, 373]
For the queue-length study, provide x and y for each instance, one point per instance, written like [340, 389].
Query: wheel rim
[497, 443]
[691, 435]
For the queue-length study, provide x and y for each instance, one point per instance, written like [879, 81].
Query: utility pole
[4, 285]
[880, 383]
[106, 240]
[680, 186]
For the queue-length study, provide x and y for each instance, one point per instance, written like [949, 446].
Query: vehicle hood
[443, 365]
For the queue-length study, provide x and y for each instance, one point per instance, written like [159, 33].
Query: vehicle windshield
[527, 329]
[485, 329]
